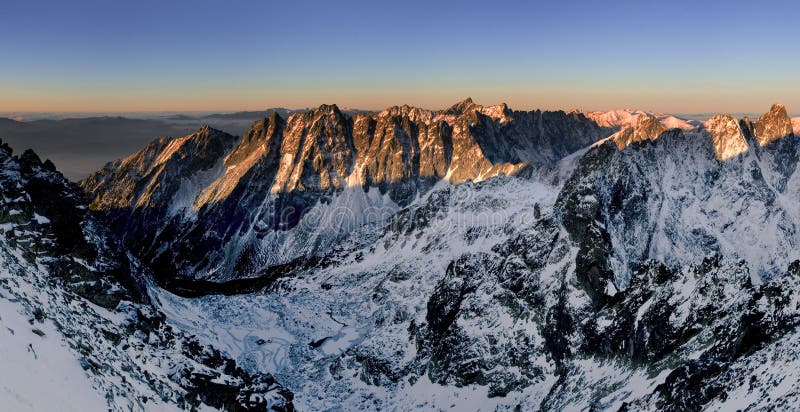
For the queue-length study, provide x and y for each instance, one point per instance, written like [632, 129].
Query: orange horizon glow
[666, 57]
[546, 100]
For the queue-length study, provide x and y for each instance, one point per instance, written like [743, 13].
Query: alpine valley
[472, 258]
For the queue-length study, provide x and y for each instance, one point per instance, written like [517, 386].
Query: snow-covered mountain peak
[672, 122]
[281, 170]
[327, 109]
[618, 118]
[261, 140]
[729, 136]
[621, 118]
[499, 112]
[415, 114]
[140, 176]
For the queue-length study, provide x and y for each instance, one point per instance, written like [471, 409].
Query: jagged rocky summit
[649, 263]
[729, 136]
[211, 205]
[505, 261]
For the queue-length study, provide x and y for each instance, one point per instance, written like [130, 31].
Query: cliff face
[773, 125]
[660, 276]
[647, 130]
[249, 195]
[656, 269]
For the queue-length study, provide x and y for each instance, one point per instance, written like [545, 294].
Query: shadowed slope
[212, 205]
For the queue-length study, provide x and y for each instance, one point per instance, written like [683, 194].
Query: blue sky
[230, 55]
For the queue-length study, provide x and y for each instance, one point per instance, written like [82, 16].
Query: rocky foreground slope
[77, 327]
[505, 261]
[654, 268]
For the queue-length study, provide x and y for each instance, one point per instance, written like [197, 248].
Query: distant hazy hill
[250, 115]
[79, 146]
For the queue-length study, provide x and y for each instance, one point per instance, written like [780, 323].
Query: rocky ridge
[729, 135]
[653, 269]
[661, 275]
[249, 196]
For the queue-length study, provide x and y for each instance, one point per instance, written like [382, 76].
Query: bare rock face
[773, 125]
[257, 149]
[177, 199]
[726, 136]
[648, 129]
[654, 274]
[139, 179]
[316, 153]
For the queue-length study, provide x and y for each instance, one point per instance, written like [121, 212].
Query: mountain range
[250, 196]
[474, 257]
[82, 144]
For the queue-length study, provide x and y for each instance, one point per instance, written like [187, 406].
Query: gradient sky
[671, 56]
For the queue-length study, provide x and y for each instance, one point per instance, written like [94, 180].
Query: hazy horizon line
[6, 113]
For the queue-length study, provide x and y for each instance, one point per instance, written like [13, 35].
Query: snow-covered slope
[655, 269]
[796, 125]
[656, 274]
[78, 332]
[473, 298]
[40, 372]
[671, 122]
[212, 206]
[346, 323]
[622, 118]
[619, 118]
[681, 195]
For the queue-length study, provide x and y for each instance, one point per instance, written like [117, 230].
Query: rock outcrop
[773, 125]
[63, 269]
[211, 191]
[726, 136]
[648, 129]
